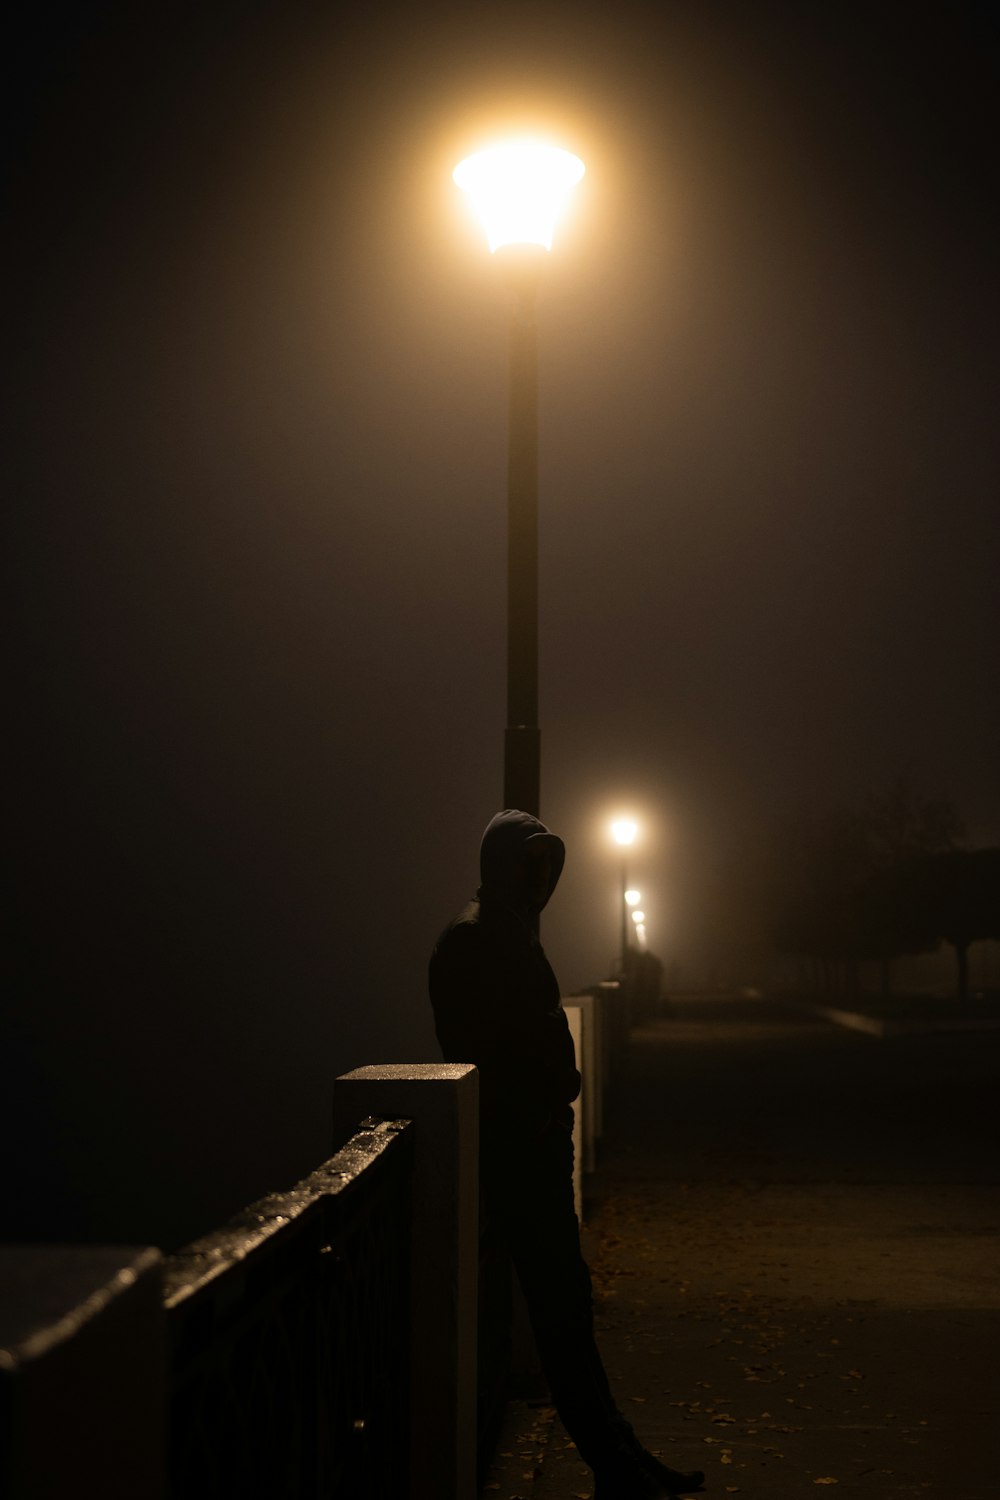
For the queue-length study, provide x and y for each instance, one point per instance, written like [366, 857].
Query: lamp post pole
[519, 188]
[623, 831]
[625, 912]
[522, 738]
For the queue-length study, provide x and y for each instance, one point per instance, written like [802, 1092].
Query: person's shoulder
[462, 934]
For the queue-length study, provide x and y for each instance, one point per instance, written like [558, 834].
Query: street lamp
[518, 189]
[623, 831]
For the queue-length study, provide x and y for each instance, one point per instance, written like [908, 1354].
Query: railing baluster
[288, 1334]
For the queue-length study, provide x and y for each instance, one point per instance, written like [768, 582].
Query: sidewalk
[774, 1305]
[909, 1015]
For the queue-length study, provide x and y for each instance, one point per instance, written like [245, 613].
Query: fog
[256, 523]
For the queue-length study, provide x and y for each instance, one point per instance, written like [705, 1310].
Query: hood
[500, 865]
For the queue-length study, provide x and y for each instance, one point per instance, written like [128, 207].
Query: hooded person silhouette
[496, 1004]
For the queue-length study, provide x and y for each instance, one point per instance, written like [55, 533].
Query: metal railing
[321, 1345]
[288, 1336]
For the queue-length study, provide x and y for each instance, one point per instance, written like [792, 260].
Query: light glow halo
[518, 189]
[624, 830]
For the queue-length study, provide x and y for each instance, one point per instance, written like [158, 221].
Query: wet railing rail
[321, 1344]
[288, 1336]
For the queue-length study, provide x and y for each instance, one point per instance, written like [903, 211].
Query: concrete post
[82, 1385]
[574, 1015]
[443, 1102]
[587, 1061]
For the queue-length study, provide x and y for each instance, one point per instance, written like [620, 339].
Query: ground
[793, 1237]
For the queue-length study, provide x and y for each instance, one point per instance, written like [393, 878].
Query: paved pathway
[795, 1240]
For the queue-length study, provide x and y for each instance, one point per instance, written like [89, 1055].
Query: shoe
[675, 1482]
[619, 1487]
[630, 1478]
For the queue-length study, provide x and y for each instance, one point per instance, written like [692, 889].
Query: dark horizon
[256, 521]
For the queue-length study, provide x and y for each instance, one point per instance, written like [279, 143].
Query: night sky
[255, 520]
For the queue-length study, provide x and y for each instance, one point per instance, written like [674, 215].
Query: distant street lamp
[518, 189]
[623, 831]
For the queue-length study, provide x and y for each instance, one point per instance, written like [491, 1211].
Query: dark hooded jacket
[495, 998]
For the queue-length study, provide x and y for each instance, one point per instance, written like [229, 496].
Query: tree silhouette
[902, 829]
[855, 885]
[961, 900]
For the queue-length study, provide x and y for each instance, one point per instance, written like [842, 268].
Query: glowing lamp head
[632, 898]
[623, 831]
[638, 917]
[519, 190]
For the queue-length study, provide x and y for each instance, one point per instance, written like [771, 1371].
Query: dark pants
[528, 1197]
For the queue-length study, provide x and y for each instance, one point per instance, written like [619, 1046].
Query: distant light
[518, 189]
[633, 898]
[624, 830]
[640, 933]
[638, 917]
